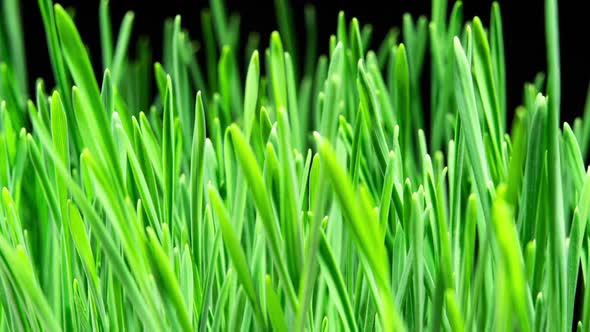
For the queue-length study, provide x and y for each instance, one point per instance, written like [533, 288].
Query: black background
[523, 33]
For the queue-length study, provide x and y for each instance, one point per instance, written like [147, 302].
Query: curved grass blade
[255, 181]
[235, 251]
[363, 224]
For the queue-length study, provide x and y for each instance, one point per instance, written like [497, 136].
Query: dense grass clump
[289, 197]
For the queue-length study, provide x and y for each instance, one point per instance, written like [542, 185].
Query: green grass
[301, 193]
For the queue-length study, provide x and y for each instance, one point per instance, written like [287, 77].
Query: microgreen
[299, 192]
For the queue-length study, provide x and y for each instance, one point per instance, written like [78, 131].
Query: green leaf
[20, 265]
[486, 86]
[106, 34]
[470, 125]
[363, 224]
[79, 64]
[336, 285]
[254, 178]
[122, 45]
[81, 241]
[507, 240]
[277, 318]
[251, 93]
[455, 318]
[169, 281]
[235, 251]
